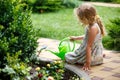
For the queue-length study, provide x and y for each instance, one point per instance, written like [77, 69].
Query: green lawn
[63, 23]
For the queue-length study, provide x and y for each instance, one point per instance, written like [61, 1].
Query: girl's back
[79, 56]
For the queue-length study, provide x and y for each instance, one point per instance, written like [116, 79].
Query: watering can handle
[65, 39]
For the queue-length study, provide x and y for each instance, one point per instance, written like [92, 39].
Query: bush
[51, 5]
[113, 41]
[116, 1]
[16, 32]
[44, 5]
[70, 3]
[102, 0]
[113, 1]
[107, 43]
[16, 37]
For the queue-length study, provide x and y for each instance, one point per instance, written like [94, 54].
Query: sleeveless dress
[79, 55]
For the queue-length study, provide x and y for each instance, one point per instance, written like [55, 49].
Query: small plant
[15, 69]
[52, 71]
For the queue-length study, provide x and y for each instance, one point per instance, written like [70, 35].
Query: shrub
[70, 3]
[116, 1]
[113, 1]
[103, 0]
[107, 43]
[113, 41]
[16, 32]
[16, 36]
[51, 5]
[44, 5]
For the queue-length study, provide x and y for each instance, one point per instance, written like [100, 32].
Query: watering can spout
[56, 53]
[63, 48]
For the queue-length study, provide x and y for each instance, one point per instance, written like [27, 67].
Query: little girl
[90, 51]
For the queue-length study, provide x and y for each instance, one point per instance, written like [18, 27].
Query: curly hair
[87, 14]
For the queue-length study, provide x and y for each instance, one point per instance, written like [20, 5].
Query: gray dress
[79, 55]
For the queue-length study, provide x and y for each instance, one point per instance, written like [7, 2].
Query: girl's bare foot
[104, 55]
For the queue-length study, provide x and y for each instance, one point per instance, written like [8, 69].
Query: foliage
[70, 3]
[102, 0]
[51, 5]
[15, 69]
[16, 31]
[52, 71]
[66, 24]
[113, 1]
[116, 1]
[44, 5]
[107, 43]
[113, 42]
[16, 34]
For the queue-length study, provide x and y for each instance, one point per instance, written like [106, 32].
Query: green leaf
[8, 70]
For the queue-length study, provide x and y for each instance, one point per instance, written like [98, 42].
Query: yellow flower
[37, 69]
[48, 65]
[58, 61]
[55, 62]
[50, 78]
[82, 78]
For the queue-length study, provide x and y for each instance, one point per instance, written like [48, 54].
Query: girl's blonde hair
[87, 15]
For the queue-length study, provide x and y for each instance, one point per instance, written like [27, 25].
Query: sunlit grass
[61, 24]
[57, 25]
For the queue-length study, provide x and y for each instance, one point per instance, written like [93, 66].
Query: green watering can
[64, 47]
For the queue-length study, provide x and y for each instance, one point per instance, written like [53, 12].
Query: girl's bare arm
[72, 38]
[91, 37]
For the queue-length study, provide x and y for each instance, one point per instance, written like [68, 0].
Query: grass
[63, 23]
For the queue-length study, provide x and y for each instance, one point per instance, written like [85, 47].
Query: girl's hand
[86, 66]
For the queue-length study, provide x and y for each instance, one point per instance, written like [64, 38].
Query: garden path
[105, 4]
[109, 70]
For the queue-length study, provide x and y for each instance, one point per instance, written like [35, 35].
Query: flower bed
[56, 70]
[51, 71]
